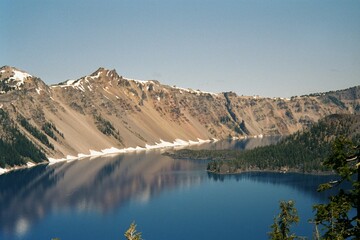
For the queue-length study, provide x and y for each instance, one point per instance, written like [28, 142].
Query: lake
[98, 198]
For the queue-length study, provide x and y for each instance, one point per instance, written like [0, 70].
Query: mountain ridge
[105, 110]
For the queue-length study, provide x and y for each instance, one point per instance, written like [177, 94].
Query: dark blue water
[169, 199]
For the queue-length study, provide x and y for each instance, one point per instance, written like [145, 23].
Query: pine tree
[336, 218]
[132, 234]
[282, 222]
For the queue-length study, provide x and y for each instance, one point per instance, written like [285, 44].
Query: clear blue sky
[268, 48]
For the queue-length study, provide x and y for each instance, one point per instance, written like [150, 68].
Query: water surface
[98, 198]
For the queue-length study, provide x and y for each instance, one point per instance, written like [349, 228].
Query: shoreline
[109, 151]
[318, 173]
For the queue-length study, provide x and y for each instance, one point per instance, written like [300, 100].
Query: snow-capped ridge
[15, 74]
[107, 76]
[12, 78]
[101, 71]
[89, 79]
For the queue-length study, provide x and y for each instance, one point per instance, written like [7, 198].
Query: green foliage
[35, 132]
[243, 127]
[106, 127]
[224, 119]
[336, 101]
[4, 86]
[282, 222]
[357, 107]
[300, 152]
[132, 234]
[50, 129]
[15, 148]
[336, 216]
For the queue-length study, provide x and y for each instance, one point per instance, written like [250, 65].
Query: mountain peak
[13, 72]
[101, 75]
[12, 78]
[101, 71]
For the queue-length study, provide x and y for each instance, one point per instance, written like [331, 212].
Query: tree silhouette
[337, 217]
[282, 222]
[132, 234]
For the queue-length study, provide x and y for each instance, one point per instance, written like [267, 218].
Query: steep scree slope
[104, 110]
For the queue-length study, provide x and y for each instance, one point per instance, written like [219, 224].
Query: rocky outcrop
[104, 110]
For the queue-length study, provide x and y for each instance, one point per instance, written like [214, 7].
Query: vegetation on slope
[15, 148]
[300, 152]
[35, 132]
[50, 130]
[107, 128]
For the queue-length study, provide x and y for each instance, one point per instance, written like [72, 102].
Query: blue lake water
[98, 198]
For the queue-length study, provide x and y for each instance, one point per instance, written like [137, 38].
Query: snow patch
[3, 170]
[96, 76]
[81, 88]
[106, 90]
[17, 79]
[95, 153]
[70, 82]
[136, 80]
[70, 157]
[30, 164]
[158, 145]
[189, 90]
[20, 76]
[81, 155]
[38, 90]
[180, 142]
[204, 141]
[111, 150]
[56, 160]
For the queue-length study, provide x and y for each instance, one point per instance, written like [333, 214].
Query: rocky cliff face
[104, 110]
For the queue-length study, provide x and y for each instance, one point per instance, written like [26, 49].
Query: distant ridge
[105, 110]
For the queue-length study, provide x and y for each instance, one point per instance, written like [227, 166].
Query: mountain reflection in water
[305, 183]
[99, 184]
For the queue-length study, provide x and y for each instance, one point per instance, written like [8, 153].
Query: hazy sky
[268, 48]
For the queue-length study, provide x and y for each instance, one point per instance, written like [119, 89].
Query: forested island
[303, 151]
